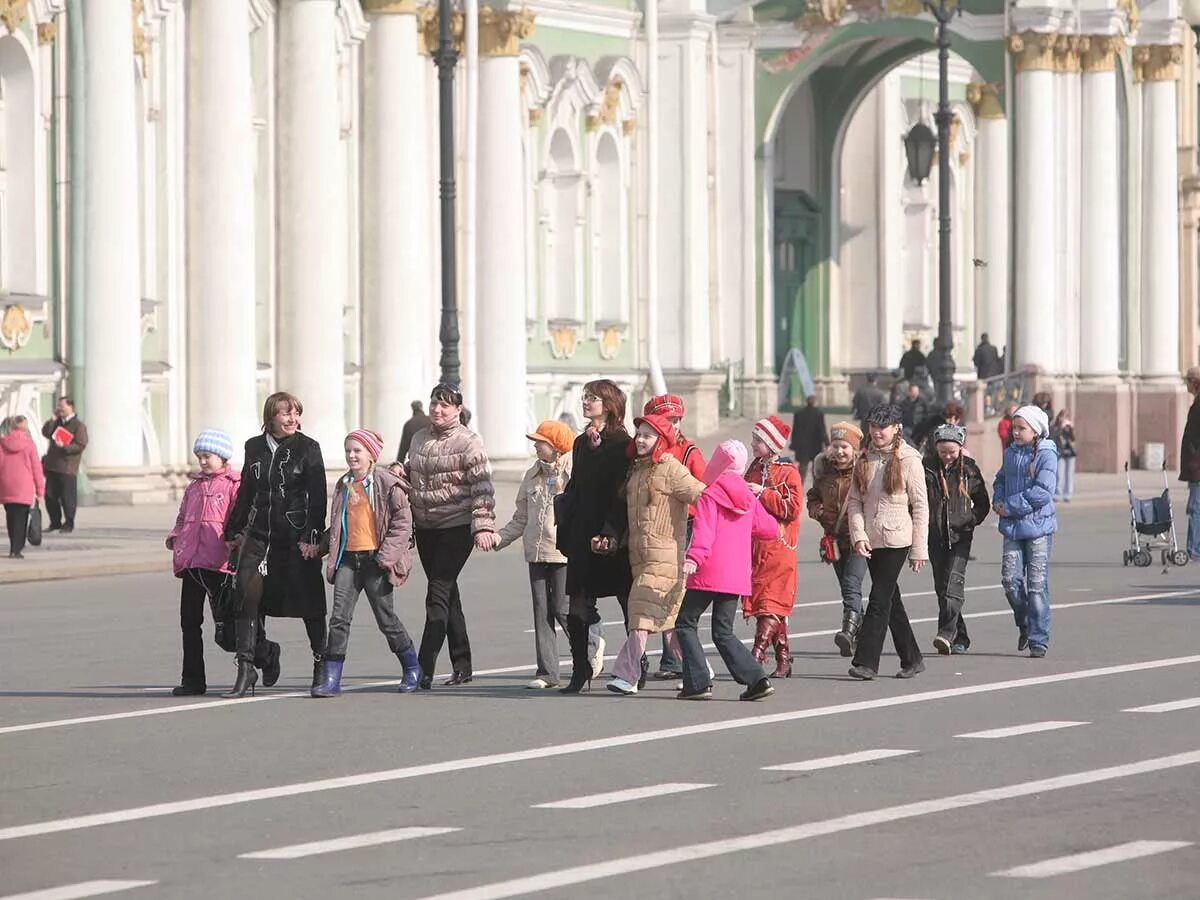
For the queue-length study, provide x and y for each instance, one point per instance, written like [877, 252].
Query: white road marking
[80, 889]
[830, 762]
[508, 670]
[350, 842]
[1077, 862]
[551, 751]
[1170, 706]
[1014, 730]
[653, 790]
[628, 864]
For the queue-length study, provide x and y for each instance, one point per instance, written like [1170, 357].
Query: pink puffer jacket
[201, 523]
[21, 477]
[728, 515]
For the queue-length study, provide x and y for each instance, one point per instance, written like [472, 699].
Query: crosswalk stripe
[79, 890]
[607, 799]
[350, 842]
[1015, 730]
[1170, 706]
[830, 762]
[1077, 862]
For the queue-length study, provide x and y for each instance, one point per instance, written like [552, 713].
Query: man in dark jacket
[809, 435]
[912, 360]
[68, 438]
[418, 421]
[867, 398]
[915, 410]
[986, 359]
[1189, 462]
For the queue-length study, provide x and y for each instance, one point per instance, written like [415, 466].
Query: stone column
[500, 320]
[1037, 265]
[310, 360]
[112, 336]
[397, 301]
[222, 361]
[991, 210]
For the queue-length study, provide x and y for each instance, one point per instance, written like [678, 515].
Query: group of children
[718, 534]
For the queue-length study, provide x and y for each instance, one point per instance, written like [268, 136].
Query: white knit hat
[1036, 417]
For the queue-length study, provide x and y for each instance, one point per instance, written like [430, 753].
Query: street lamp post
[446, 58]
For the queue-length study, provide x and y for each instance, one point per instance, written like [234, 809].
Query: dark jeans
[548, 584]
[581, 615]
[250, 593]
[444, 552]
[16, 518]
[357, 573]
[195, 587]
[738, 660]
[885, 609]
[60, 499]
[950, 583]
[850, 569]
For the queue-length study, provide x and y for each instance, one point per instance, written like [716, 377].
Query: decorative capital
[16, 326]
[389, 7]
[427, 30]
[501, 33]
[1100, 52]
[1157, 62]
[1132, 15]
[823, 12]
[1067, 52]
[1033, 51]
[141, 44]
[47, 32]
[985, 100]
[13, 13]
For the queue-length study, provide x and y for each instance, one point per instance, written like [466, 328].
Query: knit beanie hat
[884, 414]
[371, 441]
[848, 432]
[557, 434]
[1036, 417]
[954, 433]
[729, 457]
[772, 432]
[216, 442]
[664, 405]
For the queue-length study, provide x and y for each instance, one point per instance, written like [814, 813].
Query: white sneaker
[541, 684]
[597, 657]
[711, 676]
[621, 686]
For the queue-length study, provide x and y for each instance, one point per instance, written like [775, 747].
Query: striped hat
[772, 432]
[664, 405]
[216, 442]
[369, 439]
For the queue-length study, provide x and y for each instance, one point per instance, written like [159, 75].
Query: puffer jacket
[393, 524]
[197, 538]
[774, 578]
[657, 496]
[728, 517]
[21, 477]
[451, 480]
[891, 521]
[533, 519]
[954, 516]
[828, 500]
[1028, 500]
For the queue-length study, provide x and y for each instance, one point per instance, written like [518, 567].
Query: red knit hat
[666, 435]
[664, 405]
[772, 432]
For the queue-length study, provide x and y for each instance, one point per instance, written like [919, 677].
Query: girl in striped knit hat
[778, 486]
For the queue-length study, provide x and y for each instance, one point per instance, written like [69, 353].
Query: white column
[1100, 265]
[991, 210]
[1036, 269]
[112, 401]
[311, 296]
[500, 318]
[221, 256]
[1158, 69]
[397, 303]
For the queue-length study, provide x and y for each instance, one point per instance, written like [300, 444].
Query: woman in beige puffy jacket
[888, 513]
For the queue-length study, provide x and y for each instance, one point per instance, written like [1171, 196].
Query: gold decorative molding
[564, 340]
[629, 126]
[141, 44]
[609, 106]
[392, 7]
[47, 32]
[1132, 16]
[501, 33]
[535, 115]
[1068, 52]
[1100, 52]
[1157, 62]
[610, 342]
[1039, 51]
[985, 100]
[823, 12]
[13, 13]
[905, 7]
[16, 327]
[427, 30]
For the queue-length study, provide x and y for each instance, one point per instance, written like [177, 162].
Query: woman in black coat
[599, 466]
[276, 525]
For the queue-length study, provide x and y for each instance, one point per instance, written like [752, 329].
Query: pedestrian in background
[914, 410]
[416, 422]
[912, 360]
[1023, 498]
[951, 413]
[1062, 432]
[533, 523]
[22, 481]
[68, 438]
[199, 556]
[809, 435]
[1189, 461]
[1004, 426]
[986, 359]
[1045, 402]
[867, 397]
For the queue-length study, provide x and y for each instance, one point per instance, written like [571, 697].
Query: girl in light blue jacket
[1023, 498]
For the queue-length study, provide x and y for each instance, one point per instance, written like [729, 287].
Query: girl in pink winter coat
[21, 480]
[200, 556]
[718, 570]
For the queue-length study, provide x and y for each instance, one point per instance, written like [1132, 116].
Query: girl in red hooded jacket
[774, 580]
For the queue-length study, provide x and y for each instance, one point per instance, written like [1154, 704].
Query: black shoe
[15, 555]
[942, 645]
[912, 671]
[459, 678]
[189, 690]
[247, 678]
[271, 669]
[760, 690]
[847, 638]
[1037, 651]
[1022, 641]
[641, 683]
[862, 673]
[318, 672]
[578, 685]
[67, 529]
[702, 694]
[52, 527]
[426, 683]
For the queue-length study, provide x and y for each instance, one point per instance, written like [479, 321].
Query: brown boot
[764, 634]
[783, 653]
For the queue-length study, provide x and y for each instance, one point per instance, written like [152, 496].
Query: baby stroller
[1150, 521]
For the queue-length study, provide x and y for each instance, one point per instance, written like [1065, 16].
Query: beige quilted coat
[894, 521]
[657, 496]
[451, 480]
[533, 519]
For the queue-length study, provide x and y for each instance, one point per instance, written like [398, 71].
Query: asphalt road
[107, 783]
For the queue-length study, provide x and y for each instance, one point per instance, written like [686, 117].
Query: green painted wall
[562, 42]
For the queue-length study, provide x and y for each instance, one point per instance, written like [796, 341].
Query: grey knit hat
[884, 414]
[955, 433]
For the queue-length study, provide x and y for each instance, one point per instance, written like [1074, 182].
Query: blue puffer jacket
[1029, 502]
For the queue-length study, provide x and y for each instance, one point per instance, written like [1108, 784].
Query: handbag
[829, 549]
[34, 534]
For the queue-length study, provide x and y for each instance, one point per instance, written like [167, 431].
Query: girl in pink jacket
[199, 554]
[717, 566]
[22, 482]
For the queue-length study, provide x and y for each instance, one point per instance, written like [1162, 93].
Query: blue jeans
[1025, 574]
[1193, 514]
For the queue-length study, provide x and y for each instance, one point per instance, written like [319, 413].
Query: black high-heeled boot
[247, 676]
[581, 666]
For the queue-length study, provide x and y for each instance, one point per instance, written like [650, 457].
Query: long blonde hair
[893, 475]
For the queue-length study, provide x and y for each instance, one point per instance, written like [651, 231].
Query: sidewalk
[123, 540]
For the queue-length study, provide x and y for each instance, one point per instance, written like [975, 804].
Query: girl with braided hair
[889, 524]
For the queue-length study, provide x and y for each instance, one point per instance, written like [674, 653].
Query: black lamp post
[918, 147]
[446, 58]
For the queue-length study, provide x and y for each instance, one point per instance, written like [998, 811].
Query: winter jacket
[693, 460]
[916, 411]
[1028, 501]
[891, 521]
[953, 517]
[393, 524]
[1004, 431]
[657, 495]
[810, 437]
[773, 576]
[418, 421]
[1064, 439]
[533, 520]
[1189, 447]
[451, 480]
[728, 517]
[65, 460]
[589, 506]
[197, 540]
[21, 478]
[828, 500]
[281, 504]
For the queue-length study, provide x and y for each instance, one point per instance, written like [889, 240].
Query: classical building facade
[204, 201]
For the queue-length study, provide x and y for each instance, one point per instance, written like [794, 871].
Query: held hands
[485, 540]
[600, 544]
[689, 567]
[862, 548]
[916, 564]
[309, 551]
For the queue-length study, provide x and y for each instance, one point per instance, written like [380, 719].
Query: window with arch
[610, 233]
[560, 221]
[18, 121]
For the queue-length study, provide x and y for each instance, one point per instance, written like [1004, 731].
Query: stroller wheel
[1180, 557]
[1142, 559]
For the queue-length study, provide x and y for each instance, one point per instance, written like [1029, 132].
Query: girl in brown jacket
[657, 495]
